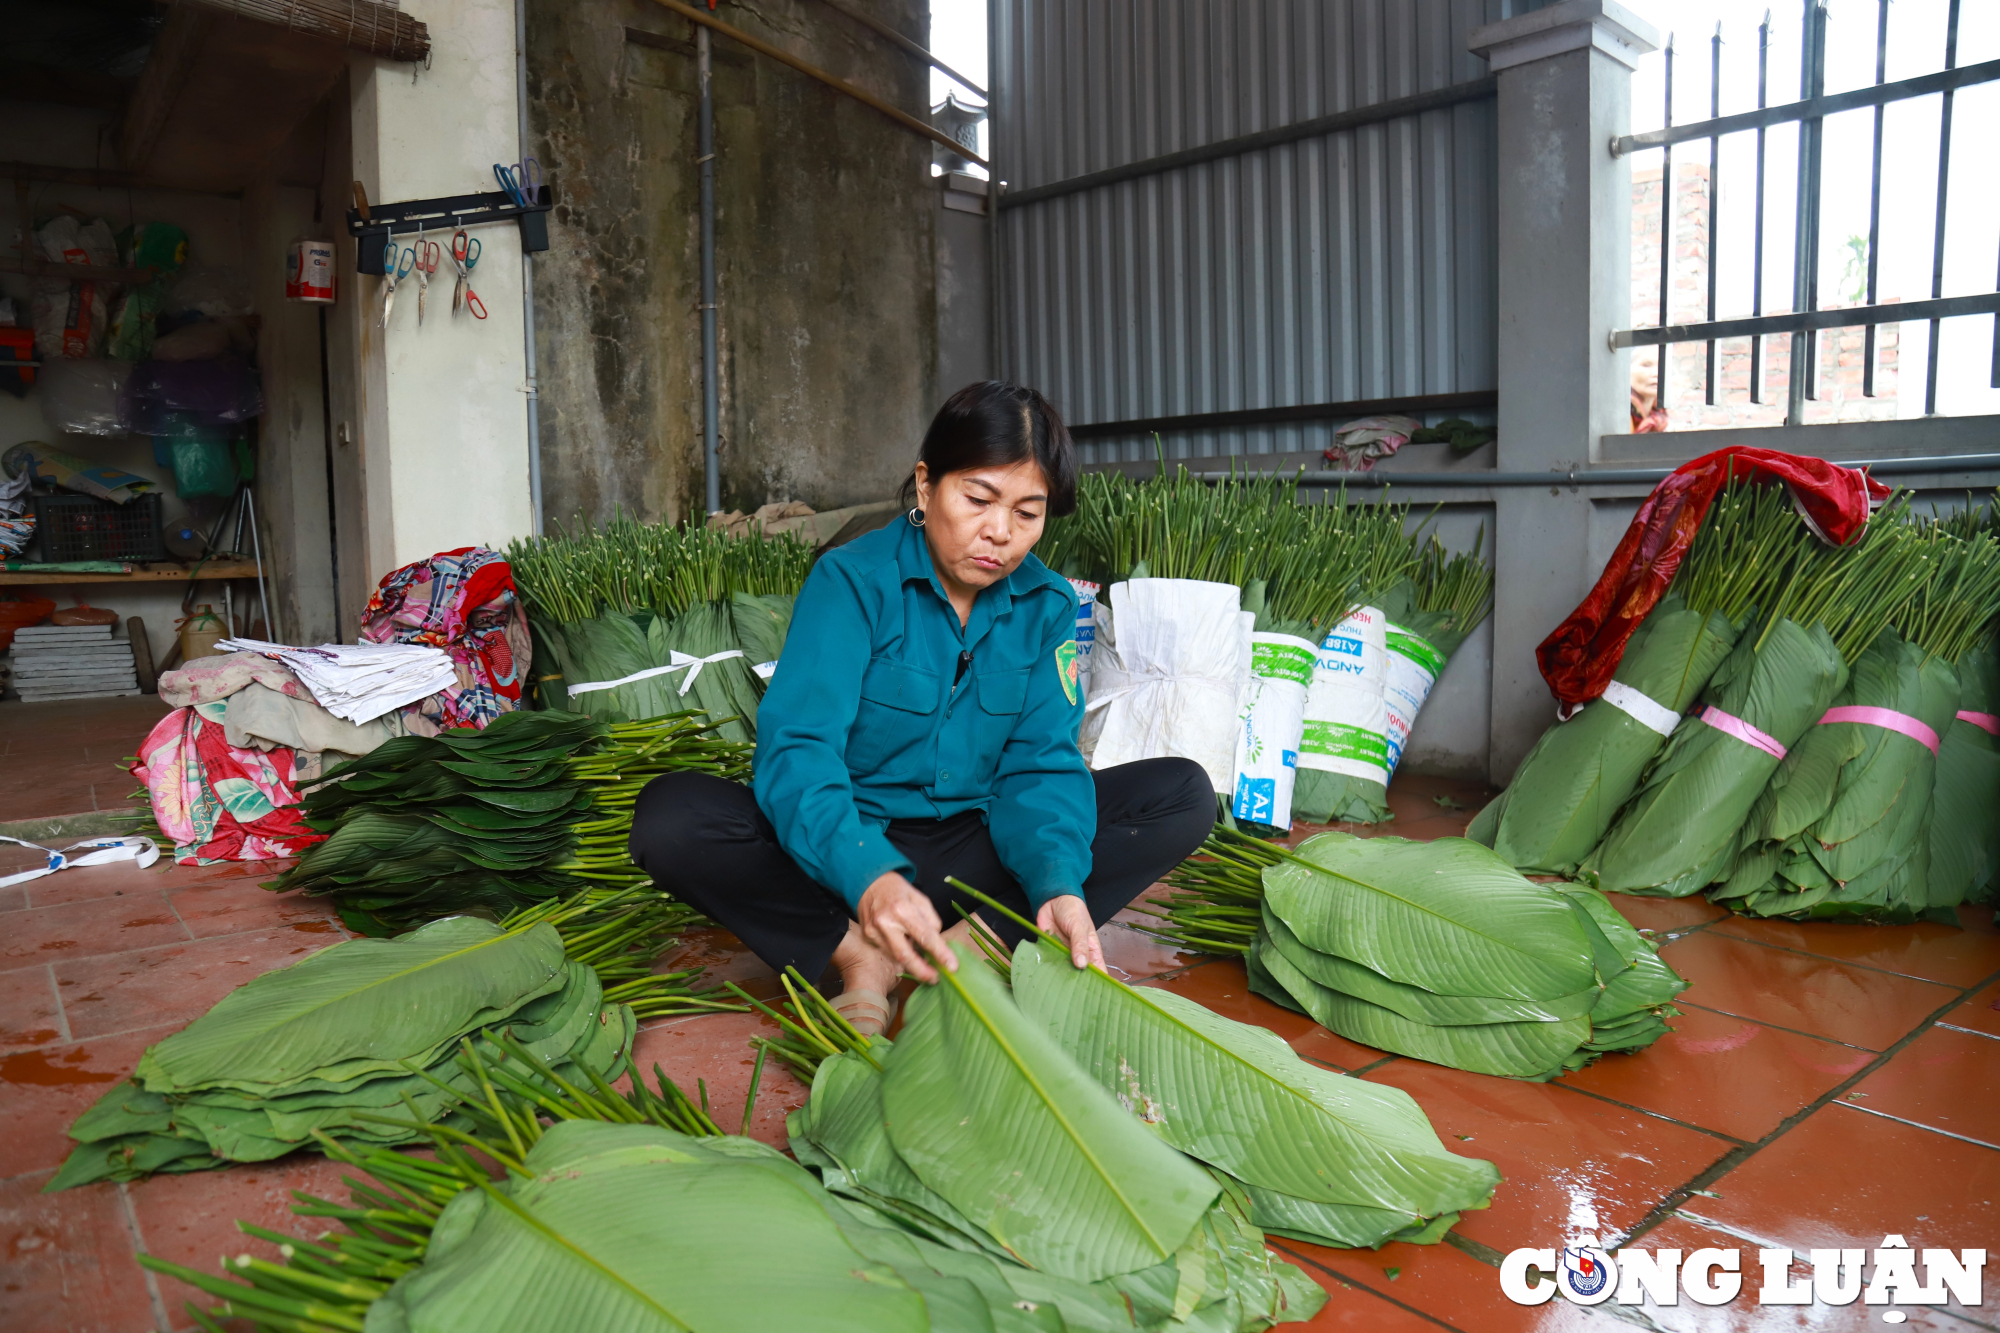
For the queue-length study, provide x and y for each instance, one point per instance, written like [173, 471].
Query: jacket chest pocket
[894, 723]
[1003, 693]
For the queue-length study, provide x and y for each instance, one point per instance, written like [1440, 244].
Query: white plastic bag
[1414, 666]
[1169, 680]
[1270, 727]
[85, 396]
[1347, 719]
[71, 317]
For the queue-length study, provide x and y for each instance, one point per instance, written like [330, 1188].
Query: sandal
[869, 1012]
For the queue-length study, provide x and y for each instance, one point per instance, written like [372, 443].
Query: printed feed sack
[1346, 716]
[1269, 728]
[1413, 668]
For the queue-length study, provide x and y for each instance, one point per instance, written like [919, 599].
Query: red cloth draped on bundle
[219, 802]
[1580, 657]
[463, 602]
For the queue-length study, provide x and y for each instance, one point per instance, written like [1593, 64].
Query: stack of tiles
[71, 662]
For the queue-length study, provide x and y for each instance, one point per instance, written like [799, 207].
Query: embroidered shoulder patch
[1070, 668]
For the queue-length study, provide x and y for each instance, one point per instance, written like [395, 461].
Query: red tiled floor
[1665, 915]
[1957, 957]
[176, 983]
[46, 1088]
[1222, 986]
[66, 1261]
[1979, 1012]
[1439, 1281]
[29, 1015]
[138, 920]
[226, 905]
[120, 879]
[15, 898]
[1723, 1073]
[1845, 1179]
[725, 959]
[191, 1219]
[1570, 1165]
[716, 1049]
[1947, 1080]
[1801, 992]
[40, 790]
[1352, 1309]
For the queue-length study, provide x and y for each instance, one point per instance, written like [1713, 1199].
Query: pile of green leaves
[1440, 951]
[308, 1052]
[1679, 832]
[1843, 829]
[632, 1211]
[610, 602]
[537, 806]
[1436, 950]
[1567, 791]
[1964, 834]
[1057, 1067]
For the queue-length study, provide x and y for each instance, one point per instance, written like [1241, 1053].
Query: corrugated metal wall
[1355, 265]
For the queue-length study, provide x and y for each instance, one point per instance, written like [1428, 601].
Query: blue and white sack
[1346, 715]
[1413, 668]
[1270, 727]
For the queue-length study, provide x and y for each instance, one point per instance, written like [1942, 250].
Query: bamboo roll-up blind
[364, 25]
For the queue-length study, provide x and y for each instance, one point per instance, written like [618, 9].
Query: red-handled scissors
[464, 254]
[426, 264]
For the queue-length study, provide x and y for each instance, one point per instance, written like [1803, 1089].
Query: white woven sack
[1167, 679]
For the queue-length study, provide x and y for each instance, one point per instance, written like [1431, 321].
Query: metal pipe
[1810, 107]
[1597, 476]
[1666, 233]
[1937, 237]
[533, 387]
[1714, 196]
[1757, 244]
[996, 322]
[1805, 220]
[711, 469]
[877, 26]
[1868, 336]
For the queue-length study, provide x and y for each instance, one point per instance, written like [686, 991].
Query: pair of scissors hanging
[464, 254]
[522, 182]
[426, 263]
[394, 270]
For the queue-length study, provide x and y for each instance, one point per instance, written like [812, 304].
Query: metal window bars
[1807, 318]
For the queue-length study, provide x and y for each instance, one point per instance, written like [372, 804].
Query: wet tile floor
[1827, 1085]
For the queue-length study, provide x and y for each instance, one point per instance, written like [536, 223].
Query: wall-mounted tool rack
[372, 232]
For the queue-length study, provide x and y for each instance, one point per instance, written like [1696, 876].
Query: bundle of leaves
[1432, 609]
[535, 807]
[310, 1052]
[1965, 836]
[1679, 833]
[1843, 830]
[633, 1211]
[667, 605]
[1581, 772]
[1057, 1054]
[1435, 950]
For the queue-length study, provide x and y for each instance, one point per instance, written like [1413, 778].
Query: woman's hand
[1068, 919]
[900, 921]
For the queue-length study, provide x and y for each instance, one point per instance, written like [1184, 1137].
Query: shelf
[156, 573]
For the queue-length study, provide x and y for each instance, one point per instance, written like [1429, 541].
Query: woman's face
[982, 522]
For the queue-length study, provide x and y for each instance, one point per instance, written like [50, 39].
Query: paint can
[309, 271]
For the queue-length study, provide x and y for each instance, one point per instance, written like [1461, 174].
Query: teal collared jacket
[865, 720]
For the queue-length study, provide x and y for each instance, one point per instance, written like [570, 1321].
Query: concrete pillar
[1565, 282]
[442, 417]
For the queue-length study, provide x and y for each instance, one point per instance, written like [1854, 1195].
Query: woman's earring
[916, 517]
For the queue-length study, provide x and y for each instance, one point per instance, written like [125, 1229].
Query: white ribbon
[142, 850]
[1639, 708]
[1123, 682]
[676, 661]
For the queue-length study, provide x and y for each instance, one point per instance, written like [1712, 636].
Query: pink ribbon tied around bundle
[1986, 722]
[1886, 718]
[1742, 731]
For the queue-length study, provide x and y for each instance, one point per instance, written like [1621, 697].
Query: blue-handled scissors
[392, 271]
[522, 181]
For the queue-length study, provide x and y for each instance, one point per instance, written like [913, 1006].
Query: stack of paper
[71, 662]
[360, 682]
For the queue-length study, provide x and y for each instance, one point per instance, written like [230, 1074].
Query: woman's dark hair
[994, 424]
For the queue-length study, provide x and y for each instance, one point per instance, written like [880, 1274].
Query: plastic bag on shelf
[85, 396]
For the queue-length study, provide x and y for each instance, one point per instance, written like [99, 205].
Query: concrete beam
[1565, 278]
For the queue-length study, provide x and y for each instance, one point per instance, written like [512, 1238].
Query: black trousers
[704, 840]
